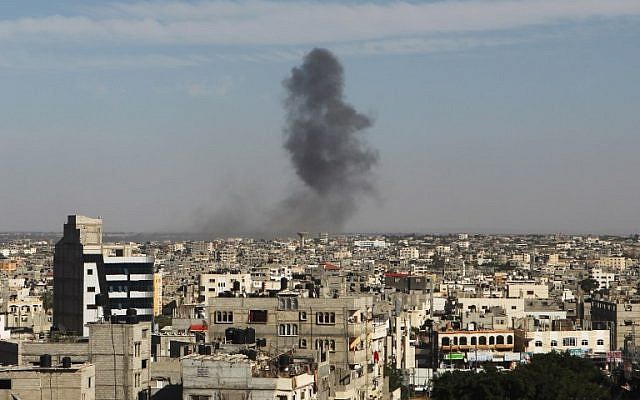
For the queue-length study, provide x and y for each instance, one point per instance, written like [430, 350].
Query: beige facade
[122, 355]
[587, 342]
[527, 290]
[513, 308]
[617, 262]
[157, 293]
[37, 383]
[344, 327]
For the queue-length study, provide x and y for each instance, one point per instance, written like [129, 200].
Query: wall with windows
[595, 341]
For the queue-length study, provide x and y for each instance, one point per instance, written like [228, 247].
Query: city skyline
[509, 116]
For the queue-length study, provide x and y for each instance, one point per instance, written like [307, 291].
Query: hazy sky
[490, 115]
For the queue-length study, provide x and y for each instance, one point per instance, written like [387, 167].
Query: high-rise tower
[92, 280]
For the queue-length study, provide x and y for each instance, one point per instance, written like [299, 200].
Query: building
[157, 292]
[621, 318]
[603, 278]
[409, 253]
[121, 354]
[614, 262]
[94, 281]
[224, 376]
[513, 308]
[343, 327]
[68, 381]
[212, 285]
[576, 342]
[527, 290]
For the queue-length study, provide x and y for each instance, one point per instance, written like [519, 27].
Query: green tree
[47, 300]
[553, 376]
[588, 285]
[396, 380]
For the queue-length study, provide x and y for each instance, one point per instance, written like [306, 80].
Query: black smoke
[324, 140]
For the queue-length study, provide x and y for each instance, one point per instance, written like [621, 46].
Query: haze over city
[495, 116]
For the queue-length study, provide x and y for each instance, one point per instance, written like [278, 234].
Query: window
[136, 349]
[145, 363]
[145, 333]
[499, 339]
[325, 344]
[91, 289]
[223, 317]
[585, 342]
[302, 343]
[90, 271]
[445, 341]
[600, 342]
[513, 307]
[302, 315]
[288, 330]
[5, 383]
[509, 339]
[492, 340]
[258, 316]
[326, 318]
[136, 379]
[92, 307]
[554, 343]
[199, 397]
[463, 341]
[569, 341]
[474, 341]
[482, 341]
[538, 343]
[89, 382]
[529, 292]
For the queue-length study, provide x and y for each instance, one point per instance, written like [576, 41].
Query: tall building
[121, 354]
[93, 281]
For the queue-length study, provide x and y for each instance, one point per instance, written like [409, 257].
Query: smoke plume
[323, 136]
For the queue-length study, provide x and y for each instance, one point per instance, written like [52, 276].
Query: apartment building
[621, 317]
[603, 278]
[121, 354]
[513, 307]
[344, 328]
[93, 280]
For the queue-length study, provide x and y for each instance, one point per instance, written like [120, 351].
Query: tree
[47, 300]
[588, 285]
[396, 380]
[548, 376]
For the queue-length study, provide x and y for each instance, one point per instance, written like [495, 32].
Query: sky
[489, 115]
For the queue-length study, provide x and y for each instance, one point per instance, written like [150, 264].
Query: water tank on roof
[250, 335]
[45, 361]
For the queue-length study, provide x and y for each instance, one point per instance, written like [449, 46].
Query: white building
[211, 285]
[603, 278]
[576, 342]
